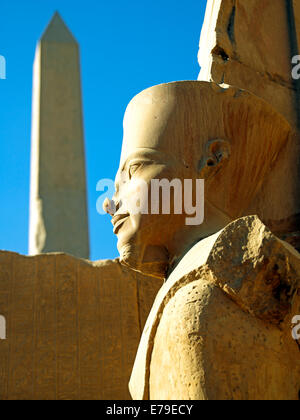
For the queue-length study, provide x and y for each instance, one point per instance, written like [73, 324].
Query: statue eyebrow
[154, 152]
[137, 154]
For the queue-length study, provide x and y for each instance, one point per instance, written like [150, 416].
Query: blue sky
[126, 46]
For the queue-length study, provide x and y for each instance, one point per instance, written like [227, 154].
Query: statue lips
[118, 221]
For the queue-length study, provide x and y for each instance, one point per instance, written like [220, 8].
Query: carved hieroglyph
[58, 204]
[192, 130]
[220, 327]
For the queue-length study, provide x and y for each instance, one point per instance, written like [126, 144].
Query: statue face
[153, 149]
[177, 132]
[143, 237]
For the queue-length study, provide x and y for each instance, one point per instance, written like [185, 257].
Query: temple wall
[73, 326]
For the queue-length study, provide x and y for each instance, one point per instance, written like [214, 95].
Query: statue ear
[216, 153]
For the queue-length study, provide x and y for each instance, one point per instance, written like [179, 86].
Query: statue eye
[133, 168]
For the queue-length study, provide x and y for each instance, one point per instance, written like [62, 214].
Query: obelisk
[58, 199]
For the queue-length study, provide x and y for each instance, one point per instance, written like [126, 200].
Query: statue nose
[109, 206]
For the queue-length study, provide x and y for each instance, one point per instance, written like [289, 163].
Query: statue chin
[154, 261]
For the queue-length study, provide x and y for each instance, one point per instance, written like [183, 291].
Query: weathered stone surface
[250, 44]
[73, 326]
[296, 12]
[246, 43]
[58, 203]
[220, 327]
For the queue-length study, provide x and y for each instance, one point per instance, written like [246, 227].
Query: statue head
[184, 132]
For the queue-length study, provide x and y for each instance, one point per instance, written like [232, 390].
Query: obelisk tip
[57, 31]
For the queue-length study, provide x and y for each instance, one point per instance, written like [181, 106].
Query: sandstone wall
[73, 327]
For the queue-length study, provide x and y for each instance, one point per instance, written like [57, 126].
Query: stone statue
[219, 328]
[169, 133]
